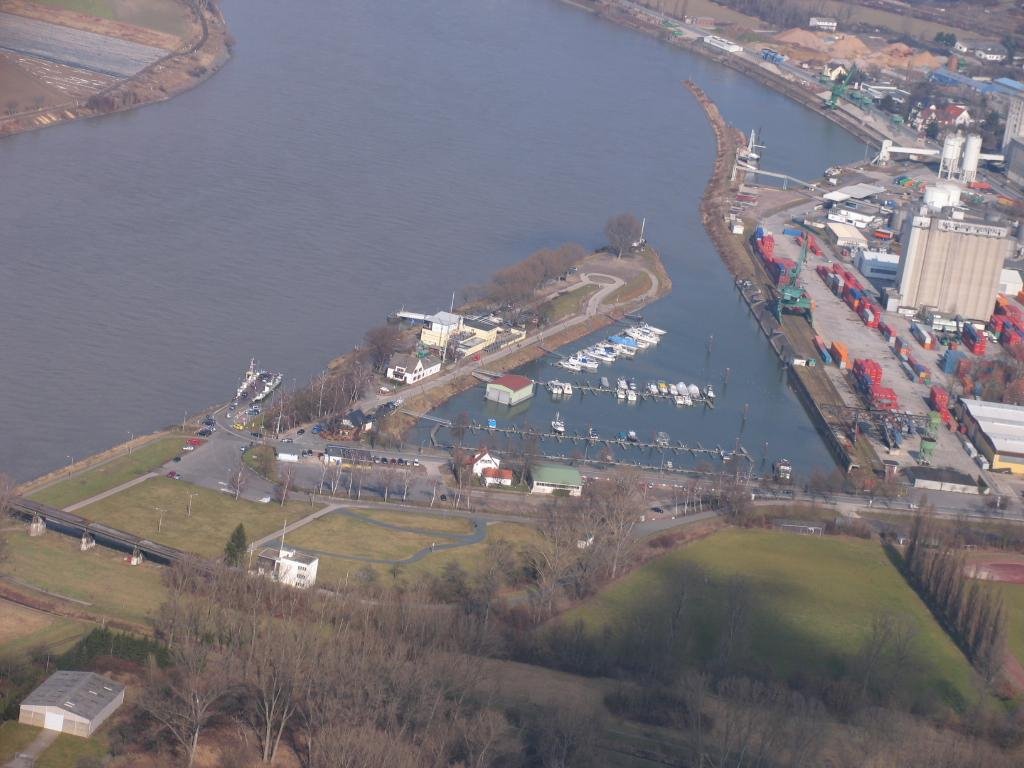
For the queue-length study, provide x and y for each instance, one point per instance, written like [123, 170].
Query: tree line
[972, 612]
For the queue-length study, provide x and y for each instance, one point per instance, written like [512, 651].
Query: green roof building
[555, 478]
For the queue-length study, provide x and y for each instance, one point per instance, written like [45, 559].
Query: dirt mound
[802, 38]
[849, 47]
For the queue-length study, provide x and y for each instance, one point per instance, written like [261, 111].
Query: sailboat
[557, 425]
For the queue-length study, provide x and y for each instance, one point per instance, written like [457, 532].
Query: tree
[622, 231]
[947, 39]
[614, 507]
[234, 550]
[932, 130]
[285, 481]
[381, 343]
[238, 479]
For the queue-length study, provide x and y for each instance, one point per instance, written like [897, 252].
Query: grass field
[345, 535]
[99, 577]
[67, 751]
[471, 558]
[23, 629]
[813, 601]
[428, 522]
[162, 15]
[214, 515]
[567, 304]
[1013, 599]
[110, 475]
[14, 737]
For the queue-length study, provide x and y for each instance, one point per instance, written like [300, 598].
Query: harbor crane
[792, 299]
[840, 88]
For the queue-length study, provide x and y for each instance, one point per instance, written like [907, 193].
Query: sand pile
[849, 47]
[802, 38]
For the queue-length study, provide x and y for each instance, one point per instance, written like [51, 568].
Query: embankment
[197, 58]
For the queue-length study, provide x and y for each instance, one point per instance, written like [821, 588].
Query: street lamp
[190, 496]
[70, 462]
[131, 436]
[160, 520]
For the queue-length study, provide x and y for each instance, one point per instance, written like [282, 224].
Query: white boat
[673, 390]
[681, 386]
[631, 436]
[642, 342]
[631, 395]
[599, 354]
[557, 425]
[683, 398]
[652, 329]
[662, 439]
[621, 384]
[570, 365]
[625, 351]
[709, 392]
[632, 385]
[587, 363]
[652, 388]
[680, 400]
[641, 335]
[662, 388]
[621, 393]
[555, 387]
[694, 390]
[567, 389]
[605, 383]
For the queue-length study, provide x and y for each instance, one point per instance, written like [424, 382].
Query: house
[509, 389]
[480, 461]
[823, 23]
[288, 453]
[410, 368]
[950, 117]
[291, 568]
[835, 70]
[990, 52]
[555, 478]
[492, 476]
[70, 702]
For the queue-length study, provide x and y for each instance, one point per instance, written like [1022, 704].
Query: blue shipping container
[951, 360]
[791, 232]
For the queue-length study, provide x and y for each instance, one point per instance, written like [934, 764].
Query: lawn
[214, 515]
[14, 737]
[567, 304]
[345, 535]
[111, 474]
[23, 629]
[421, 521]
[471, 558]
[812, 604]
[67, 750]
[1013, 599]
[99, 577]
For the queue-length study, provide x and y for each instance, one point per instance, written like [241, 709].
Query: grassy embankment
[110, 474]
[168, 16]
[813, 603]
[214, 515]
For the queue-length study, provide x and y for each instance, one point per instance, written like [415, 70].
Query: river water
[353, 158]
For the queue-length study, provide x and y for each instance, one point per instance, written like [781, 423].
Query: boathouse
[554, 478]
[509, 389]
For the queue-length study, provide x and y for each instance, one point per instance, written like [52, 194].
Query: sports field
[812, 602]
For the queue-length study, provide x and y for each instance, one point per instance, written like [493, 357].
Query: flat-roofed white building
[70, 702]
[997, 431]
[291, 568]
[877, 265]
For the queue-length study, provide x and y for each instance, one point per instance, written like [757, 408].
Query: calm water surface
[354, 157]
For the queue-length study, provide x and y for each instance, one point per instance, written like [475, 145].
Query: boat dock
[586, 388]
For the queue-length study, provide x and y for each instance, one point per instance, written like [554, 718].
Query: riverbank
[189, 61]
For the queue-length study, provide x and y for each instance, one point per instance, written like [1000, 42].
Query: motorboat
[621, 393]
[673, 389]
[567, 389]
[556, 387]
[709, 392]
[632, 385]
[631, 436]
[591, 434]
[694, 390]
[661, 439]
[605, 383]
[631, 395]
[557, 425]
[570, 364]
[662, 388]
[652, 388]
[621, 384]
[652, 329]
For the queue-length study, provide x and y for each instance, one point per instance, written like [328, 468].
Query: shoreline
[191, 64]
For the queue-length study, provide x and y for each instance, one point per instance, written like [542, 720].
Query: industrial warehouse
[998, 432]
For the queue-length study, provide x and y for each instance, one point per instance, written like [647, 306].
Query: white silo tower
[949, 160]
[972, 152]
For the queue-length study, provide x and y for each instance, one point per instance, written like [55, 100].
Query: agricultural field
[24, 629]
[163, 503]
[110, 474]
[167, 16]
[812, 604]
[99, 580]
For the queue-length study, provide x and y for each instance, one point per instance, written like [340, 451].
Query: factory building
[1015, 160]
[1014, 121]
[950, 264]
[997, 431]
[877, 265]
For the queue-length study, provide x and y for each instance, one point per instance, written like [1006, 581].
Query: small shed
[509, 389]
[69, 702]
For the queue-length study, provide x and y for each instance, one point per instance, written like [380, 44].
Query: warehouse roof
[556, 474]
[1002, 424]
[82, 693]
[847, 232]
[856, 191]
[513, 381]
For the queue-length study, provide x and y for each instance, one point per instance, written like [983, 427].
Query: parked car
[174, 475]
[204, 433]
[301, 432]
[287, 440]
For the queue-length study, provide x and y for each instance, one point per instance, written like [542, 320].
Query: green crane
[840, 87]
[793, 299]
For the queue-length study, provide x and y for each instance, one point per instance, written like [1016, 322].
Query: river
[355, 157]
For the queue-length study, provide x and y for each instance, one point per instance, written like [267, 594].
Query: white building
[497, 477]
[823, 23]
[480, 461]
[1010, 282]
[439, 328]
[76, 703]
[846, 235]
[990, 52]
[410, 368]
[288, 453]
[722, 44]
[877, 265]
[1014, 121]
[291, 568]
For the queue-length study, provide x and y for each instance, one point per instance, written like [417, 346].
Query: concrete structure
[410, 368]
[951, 265]
[936, 479]
[476, 335]
[497, 476]
[823, 23]
[990, 51]
[846, 235]
[997, 431]
[1010, 282]
[291, 568]
[72, 702]
[877, 265]
[1015, 159]
[509, 389]
[555, 478]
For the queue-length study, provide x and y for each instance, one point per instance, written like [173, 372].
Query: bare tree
[613, 507]
[238, 479]
[382, 342]
[622, 232]
[285, 480]
[555, 555]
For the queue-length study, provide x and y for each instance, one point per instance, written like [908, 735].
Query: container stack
[921, 373]
[883, 398]
[868, 375]
[1008, 322]
[887, 333]
[950, 361]
[902, 348]
[840, 355]
[924, 338]
[976, 341]
[938, 398]
[870, 313]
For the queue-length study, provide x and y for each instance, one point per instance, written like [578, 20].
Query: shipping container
[823, 350]
[792, 232]
[924, 338]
